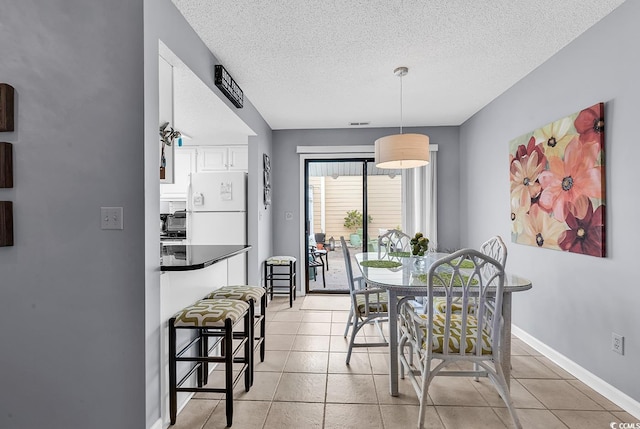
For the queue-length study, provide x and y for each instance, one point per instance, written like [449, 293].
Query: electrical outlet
[111, 218]
[617, 343]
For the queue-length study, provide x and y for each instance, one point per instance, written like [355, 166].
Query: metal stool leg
[173, 393]
[228, 369]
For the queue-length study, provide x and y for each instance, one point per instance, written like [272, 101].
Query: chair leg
[263, 325]
[248, 349]
[173, 394]
[425, 392]
[292, 290]
[349, 321]
[503, 390]
[228, 369]
[354, 331]
[250, 335]
[204, 366]
[294, 280]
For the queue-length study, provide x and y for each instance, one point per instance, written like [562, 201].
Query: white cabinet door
[212, 158]
[223, 158]
[184, 165]
[239, 158]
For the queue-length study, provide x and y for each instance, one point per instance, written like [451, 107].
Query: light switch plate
[111, 218]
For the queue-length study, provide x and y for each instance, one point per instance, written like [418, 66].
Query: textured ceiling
[324, 64]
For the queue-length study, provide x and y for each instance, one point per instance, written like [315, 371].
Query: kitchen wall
[162, 21]
[72, 295]
[285, 166]
[577, 301]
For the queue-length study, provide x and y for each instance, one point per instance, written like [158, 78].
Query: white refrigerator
[217, 213]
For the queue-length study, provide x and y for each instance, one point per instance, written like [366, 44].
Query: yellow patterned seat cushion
[440, 305]
[374, 305]
[455, 334]
[211, 313]
[280, 260]
[241, 292]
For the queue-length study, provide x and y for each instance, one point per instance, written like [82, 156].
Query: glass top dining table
[402, 281]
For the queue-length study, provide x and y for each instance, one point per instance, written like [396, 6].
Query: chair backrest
[347, 265]
[495, 248]
[393, 241]
[469, 279]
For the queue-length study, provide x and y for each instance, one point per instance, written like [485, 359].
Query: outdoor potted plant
[353, 221]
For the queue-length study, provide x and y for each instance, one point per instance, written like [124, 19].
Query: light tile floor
[304, 383]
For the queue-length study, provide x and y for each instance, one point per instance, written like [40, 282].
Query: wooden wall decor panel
[6, 223]
[6, 107]
[6, 165]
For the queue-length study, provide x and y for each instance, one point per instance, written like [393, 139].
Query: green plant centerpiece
[353, 221]
[419, 246]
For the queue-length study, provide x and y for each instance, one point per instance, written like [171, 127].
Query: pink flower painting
[557, 184]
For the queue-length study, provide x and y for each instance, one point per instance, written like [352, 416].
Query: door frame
[319, 153]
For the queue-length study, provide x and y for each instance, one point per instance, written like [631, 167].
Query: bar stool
[250, 295]
[289, 276]
[215, 318]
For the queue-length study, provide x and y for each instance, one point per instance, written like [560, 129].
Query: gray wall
[577, 300]
[286, 178]
[80, 306]
[71, 294]
[162, 21]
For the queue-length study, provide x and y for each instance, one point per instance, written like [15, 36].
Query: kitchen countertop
[196, 257]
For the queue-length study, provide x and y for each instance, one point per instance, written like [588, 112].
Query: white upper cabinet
[222, 158]
[239, 158]
[184, 165]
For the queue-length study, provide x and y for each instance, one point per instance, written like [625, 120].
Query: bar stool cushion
[280, 260]
[211, 313]
[241, 292]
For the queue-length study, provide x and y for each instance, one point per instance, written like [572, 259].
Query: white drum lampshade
[402, 151]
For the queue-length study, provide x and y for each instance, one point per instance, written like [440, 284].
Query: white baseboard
[619, 398]
[157, 424]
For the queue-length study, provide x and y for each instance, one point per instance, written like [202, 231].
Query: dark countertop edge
[206, 263]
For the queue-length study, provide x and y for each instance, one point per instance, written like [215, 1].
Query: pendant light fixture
[402, 150]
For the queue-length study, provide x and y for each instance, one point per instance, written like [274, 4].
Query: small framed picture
[266, 176]
[267, 196]
[266, 161]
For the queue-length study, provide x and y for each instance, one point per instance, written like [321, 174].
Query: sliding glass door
[347, 198]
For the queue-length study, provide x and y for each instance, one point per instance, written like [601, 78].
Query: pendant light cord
[401, 104]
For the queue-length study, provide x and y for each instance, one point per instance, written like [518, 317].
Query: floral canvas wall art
[557, 184]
